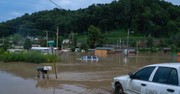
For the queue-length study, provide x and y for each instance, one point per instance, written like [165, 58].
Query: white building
[45, 50]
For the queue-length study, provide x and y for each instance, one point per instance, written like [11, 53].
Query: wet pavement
[74, 76]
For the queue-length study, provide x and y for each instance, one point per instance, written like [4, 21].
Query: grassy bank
[31, 57]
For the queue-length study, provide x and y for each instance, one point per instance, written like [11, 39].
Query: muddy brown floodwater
[74, 76]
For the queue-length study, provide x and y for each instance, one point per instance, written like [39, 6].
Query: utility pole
[120, 44]
[127, 45]
[55, 68]
[57, 37]
[46, 38]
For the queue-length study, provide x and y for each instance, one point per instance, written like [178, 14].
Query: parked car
[89, 58]
[151, 79]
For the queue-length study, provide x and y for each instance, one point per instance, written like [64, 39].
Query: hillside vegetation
[155, 18]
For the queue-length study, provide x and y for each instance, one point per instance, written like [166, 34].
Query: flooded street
[74, 76]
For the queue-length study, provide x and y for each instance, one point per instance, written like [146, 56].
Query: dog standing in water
[43, 70]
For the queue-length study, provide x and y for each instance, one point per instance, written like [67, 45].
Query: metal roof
[104, 48]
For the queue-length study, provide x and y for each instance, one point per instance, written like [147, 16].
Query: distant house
[66, 41]
[15, 50]
[103, 51]
[36, 45]
[18, 47]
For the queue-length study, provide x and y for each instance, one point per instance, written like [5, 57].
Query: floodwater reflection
[74, 76]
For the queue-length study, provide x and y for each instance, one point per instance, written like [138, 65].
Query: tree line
[156, 18]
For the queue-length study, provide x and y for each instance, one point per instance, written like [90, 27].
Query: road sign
[51, 43]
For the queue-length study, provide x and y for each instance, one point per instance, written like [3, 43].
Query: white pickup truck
[152, 79]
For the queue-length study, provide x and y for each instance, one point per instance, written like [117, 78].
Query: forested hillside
[146, 17]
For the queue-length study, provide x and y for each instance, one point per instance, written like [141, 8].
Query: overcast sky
[10, 9]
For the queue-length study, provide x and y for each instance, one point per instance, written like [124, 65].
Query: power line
[55, 4]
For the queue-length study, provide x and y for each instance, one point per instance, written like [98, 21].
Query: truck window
[144, 73]
[166, 76]
[173, 78]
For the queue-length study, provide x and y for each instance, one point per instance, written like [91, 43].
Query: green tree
[2, 49]
[176, 39]
[174, 48]
[73, 40]
[95, 38]
[84, 46]
[149, 42]
[15, 39]
[27, 44]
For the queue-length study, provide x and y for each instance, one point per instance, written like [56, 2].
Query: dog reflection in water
[43, 71]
